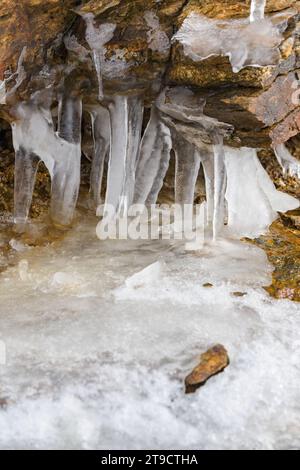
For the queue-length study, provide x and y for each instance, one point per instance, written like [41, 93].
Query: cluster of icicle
[238, 190]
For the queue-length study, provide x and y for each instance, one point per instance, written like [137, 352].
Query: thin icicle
[220, 181]
[289, 164]
[207, 160]
[257, 11]
[126, 117]
[101, 136]
[187, 169]
[96, 38]
[153, 160]
[26, 165]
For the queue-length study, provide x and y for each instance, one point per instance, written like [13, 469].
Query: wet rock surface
[214, 361]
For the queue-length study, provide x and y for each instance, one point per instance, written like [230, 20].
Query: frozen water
[253, 201]
[101, 136]
[220, 182]
[257, 11]
[187, 170]
[254, 43]
[34, 139]
[153, 161]
[158, 40]
[289, 164]
[126, 117]
[19, 76]
[86, 369]
[96, 38]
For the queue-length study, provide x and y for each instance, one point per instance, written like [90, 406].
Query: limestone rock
[214, 361]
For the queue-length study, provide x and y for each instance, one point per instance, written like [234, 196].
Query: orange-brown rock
[214, 361]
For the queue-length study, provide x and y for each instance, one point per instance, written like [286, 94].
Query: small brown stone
[208, 284]
[239, 294]
[214, 361]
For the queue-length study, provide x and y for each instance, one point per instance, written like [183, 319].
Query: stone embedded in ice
[246, 44]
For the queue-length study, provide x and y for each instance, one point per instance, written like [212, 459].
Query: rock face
[214, 361]
[212, 71]
[260, 102]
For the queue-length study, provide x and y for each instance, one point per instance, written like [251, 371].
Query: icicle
[96, 39]
[66, 172]
[19, 76]
[257, 12]
[289, 164]
[33, 135]
[101, 137]
[26, 165]
[126, 117]
[153, 161]
[253, 200]
[187, 169]
[220, 181]
[207, 160]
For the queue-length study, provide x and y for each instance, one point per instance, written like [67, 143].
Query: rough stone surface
[214, 361]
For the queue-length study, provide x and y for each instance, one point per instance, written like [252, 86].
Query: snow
[98, 360]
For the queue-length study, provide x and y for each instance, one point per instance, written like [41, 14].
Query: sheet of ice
[126, 117]
[246, 44]
[289, 164]
[2, 92]
[106, 372]
[253, 201]
[257, 10]
[19, 76]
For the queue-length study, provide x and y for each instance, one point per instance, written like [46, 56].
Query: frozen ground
[97, 359]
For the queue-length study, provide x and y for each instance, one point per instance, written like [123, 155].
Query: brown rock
[214, 361]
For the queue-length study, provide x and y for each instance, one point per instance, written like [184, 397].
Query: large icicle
[33, 134]
[220, 181]
[187, 169]
[153, 161]
[96, 39]
[253, 200]
[257, 11]
[207, 160]
[126, 117]
[101, 136]
[66, 172]
[289, 164]
[26, 165]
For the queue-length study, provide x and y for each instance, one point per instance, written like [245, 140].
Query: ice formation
[96, 38]
[35, 139]
[126, 117]
[257, 12]
[158, 40]
[289, 164]
[246, 44]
